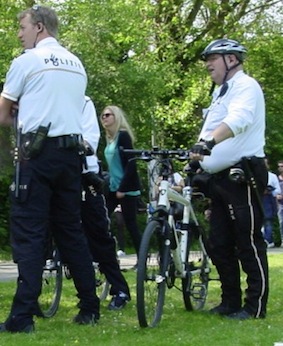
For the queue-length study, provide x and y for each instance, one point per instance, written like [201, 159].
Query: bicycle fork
[178, 248]
[181, 236]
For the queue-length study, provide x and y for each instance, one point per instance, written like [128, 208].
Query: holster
[32, 142]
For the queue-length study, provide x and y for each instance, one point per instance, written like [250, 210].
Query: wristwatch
[210, 142]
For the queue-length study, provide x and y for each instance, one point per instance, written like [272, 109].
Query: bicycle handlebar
[150, 154]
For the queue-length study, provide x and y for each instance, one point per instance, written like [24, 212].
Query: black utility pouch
[258, 170]
[202, 183]
[33, 142]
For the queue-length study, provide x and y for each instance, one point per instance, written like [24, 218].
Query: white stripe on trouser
[255, 252]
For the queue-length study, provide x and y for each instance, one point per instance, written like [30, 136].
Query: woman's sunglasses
[106, 115]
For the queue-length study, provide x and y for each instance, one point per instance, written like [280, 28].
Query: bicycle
[171, 248]
[52, 283]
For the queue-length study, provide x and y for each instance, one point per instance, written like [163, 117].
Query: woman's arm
[130, 180]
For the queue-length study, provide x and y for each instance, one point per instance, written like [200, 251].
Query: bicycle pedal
[49, 265]
[159, 279]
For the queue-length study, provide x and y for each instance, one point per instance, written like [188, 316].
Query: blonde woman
[124, 183]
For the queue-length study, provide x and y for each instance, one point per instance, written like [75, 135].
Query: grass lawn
[177, 327]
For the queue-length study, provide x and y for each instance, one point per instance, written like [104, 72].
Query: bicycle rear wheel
[195, 285]
[102, 285]
[151, 281]
[51, 291]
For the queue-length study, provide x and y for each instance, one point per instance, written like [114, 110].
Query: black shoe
[242, 315]
[85, 319]
[223, 310]
[28, 329]
[119, 301]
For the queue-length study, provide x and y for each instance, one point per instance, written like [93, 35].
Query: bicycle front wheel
[51, 291]
[151, 271]
[195, 285]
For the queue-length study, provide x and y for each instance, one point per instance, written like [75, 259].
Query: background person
[95, 220]
[175, 179]
[234, 127]
[280, 197]
[50, 170]
[270, 206]
[124, 184]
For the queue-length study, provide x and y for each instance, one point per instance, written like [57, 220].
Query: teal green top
[116, 171]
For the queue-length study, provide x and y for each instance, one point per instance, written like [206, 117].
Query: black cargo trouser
[95, 222]
[236, 236]
[50, 193]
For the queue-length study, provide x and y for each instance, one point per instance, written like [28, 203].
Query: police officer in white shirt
[48, 83]
[95, 220]
[231, 148]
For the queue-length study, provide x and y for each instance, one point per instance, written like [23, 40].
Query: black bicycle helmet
[225, 46]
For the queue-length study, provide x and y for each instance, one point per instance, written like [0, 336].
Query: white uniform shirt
[274, 182]
[91, 133]
[38, 80]
[242, 108]
[177, 178]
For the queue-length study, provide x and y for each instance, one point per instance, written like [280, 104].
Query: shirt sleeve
[242, 108]
[91, 133]
[15, 81]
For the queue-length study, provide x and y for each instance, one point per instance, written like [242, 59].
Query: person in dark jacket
[94, 214]
[124, 183]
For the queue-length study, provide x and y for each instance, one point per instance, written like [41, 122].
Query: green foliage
[114, 77]
[276, 232]
[265, 59]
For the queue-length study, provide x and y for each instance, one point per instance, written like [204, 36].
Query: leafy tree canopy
[143, 55]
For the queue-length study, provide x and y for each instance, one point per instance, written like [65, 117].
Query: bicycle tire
[52, 281]
[195, 285]
[102, 285]
[151, 282]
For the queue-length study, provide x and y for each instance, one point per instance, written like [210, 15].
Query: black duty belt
[227, 172]
[234, 172]
[66, 141]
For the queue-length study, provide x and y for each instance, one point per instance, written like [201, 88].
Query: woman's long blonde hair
[121, 123]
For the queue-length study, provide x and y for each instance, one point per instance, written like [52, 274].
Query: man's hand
[120, 194]
[203, 147]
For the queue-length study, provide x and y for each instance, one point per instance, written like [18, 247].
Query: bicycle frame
[167, 194]
[167, 251]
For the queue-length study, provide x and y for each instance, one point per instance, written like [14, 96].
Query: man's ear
[231, 58]
[40, 27]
